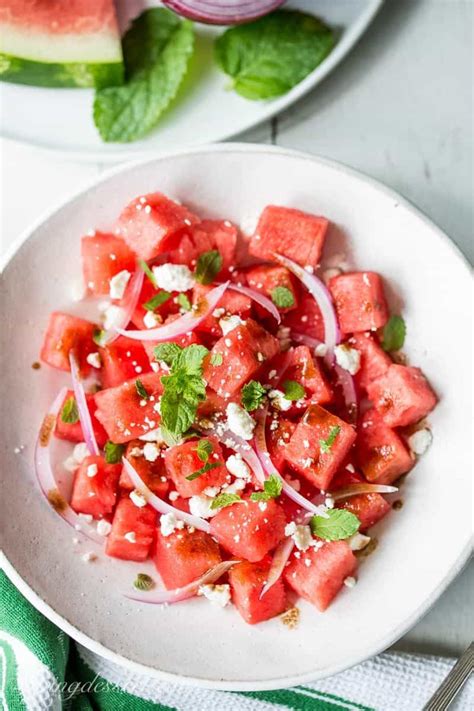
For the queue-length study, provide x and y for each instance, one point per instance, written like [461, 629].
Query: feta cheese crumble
[151, 452]
[217, 594]
[113, 317]
[347, 358]
[300, 534]
[103, 527]
[131, 537]
[278, 400]
[228, 323]
[169, 523]
[94, 360]
[137, 498]
[80, 452]
[92, 470]
[420, 441]
[236, 466]
[118, 284]
[151, 320]
[349, 582]
[200, 505]
[239, 421]
[321, 350]
[358, 541]
[173, 277]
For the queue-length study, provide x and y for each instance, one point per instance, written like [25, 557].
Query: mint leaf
[206, 468]
[156, 50]
[70, 413]
[160, 298]
[143, 265]
[172, 440]
[282, 297]
[141, 390]
[98, 336]
[208, 267]
[183, 301]
[191, 358]
[217, 359]
[223, 500]
[293, 390]
[204, 449]
[271, 489]
[340, 524]
[327, 443]
[268, 57]
[253, 394]
[167, 352]
[394, 333]
[143, 582]
[184, 388]
[113, 452]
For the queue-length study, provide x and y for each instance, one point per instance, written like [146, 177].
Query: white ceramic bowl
[421, 548]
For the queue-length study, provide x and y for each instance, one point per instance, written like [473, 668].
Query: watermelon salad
[238, 413]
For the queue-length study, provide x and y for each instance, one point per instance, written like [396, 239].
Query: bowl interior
[420, 547]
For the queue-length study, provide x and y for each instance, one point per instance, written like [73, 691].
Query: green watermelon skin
[83, 75]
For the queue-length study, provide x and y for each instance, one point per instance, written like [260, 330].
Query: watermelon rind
[18, 70]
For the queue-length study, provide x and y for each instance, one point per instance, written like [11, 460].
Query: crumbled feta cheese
[347, 358]
[234, 488]
[70, 464]
[227, 342]
[217, 313]
[77, 290]
[239, 421]
[358, 541]
[131, 536]
[151, 320]
[217, 594]
[136, 452]
[349, 582]
[113, 317]
[328, 274]
[173, 496]
[103, 527]
[260, 357]
[300, 534]
[350, 468]
[200, 505]
[272, 374]
[94, 360]
[80, 452]
[262, 505]
[152, 436]
[151, 452]
[89, 557]
[307, 462]
[169, 523]
[211, 491]
[92, 470]
[420, 441]
[173, 277]
[329, 502]
[118, 284]
[137, 498]
[228, 323]
[321, 350]
[236, 466]
[278, 400]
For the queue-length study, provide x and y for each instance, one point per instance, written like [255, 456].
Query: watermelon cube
[277, 440]
[373, 360]
[182, 461]
[133, 530]
[318, 575]
[306, 319]
[243, 352]
[360, 301]
[402, 395]
[223, 235]
[153, 474]
[122, 359]
[72, 432]
[149, 222]
[292, 233]
[121, 412]
[319, 445]
[381, 453]
[63, 334]
[249, 529]
[95, 487]
[232, 302]
[246, 582]
[103, 256]
[307, 371]
[369, 508]
[184, 556]
[266, 278]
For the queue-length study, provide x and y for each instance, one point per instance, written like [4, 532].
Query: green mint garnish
[253, 394]
[143, 582]
[98, 336]
[183, 301]
[282, 297]
[204, 449]
[208, 267]
[293, 390]
[160, 298]
[141, 390]
[271, 489]
[70, 413]
[143, 265]
[113, 452]
[223, 500]
[340, 524]
[167, 352]
[326, 444]
[206, 468]
[184, 388]
[394, 333]
[217, 359]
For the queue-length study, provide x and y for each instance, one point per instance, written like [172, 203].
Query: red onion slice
[133, 292]
[346, 381]
[259, 298]
[224, 12]
[182, 325]
[47, 479]
[84, 414]
[280, 558]
[162, 506]
[160, 597]
[362, 488]
[323, 299]
[306, 340]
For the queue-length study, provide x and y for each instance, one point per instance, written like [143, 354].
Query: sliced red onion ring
[182, 325]
[162, 506]
[224, 12]
[280, 558]
[159, 597]
[323, 299]
[134, 289]
[259, 298]
[47, 479]
[362, 488]
[306, 340]
[84, 414]
[346, 381]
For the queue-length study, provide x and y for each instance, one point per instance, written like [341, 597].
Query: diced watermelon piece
[103, 256]
[305, 451]
[277, 440]
[292, 233]
[381, 453]
[148, 292]
[265, 279]
[120, 412]
[213, 404]
[243, 351]
[131, 519]
[307, 318]
[72, 432]
[122, 359]
[182, 461]
[307, 371]
[402, 395]
[232, 302]
[369, 508]
[360, 301]
[184, 556]
[247, 581]
[63, 334]
[148, 222]
[152, 473]
[373, 360]
[246, 531]
[224, 236]
[95, 495]
[320, 581]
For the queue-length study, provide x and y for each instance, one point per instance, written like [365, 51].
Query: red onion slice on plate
[47, 479]
[84, 414]
[280, 558]
[363, 488]
[224, 12]
[133, 292]
[259, 298]
[346, 381]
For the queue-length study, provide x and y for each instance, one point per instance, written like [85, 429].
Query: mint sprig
[224, 500]
[204, 449]
[141, 389]
[206, 468]
[393, 335]
[282, 297]
[293, 390]
[272, 488]
[326, 444]
[253, 394]
[113, 452]
[208, 267]
[157, 300]
[144, 266]
[70, 413]
[338, 525]
[183, 301]
[184, 388]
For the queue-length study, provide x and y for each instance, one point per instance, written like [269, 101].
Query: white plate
[205, 111]
[421, 547]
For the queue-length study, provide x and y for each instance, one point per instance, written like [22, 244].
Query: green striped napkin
[41, 669]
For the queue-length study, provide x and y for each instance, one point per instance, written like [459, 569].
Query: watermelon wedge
[60, 44]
